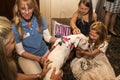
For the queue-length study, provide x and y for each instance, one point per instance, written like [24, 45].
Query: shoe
[112, 32]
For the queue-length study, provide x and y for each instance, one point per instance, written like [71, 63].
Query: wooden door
[6, 8]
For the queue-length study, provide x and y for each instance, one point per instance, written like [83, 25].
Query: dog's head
[79, 40]
[76, 39]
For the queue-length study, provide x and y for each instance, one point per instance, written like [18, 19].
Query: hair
[100, 29]
[87, 3]
[17, 15]
[5, 29]
[7, 72]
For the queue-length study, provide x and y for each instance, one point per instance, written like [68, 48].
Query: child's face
[10, 44]
[93, 36]
[83, 9]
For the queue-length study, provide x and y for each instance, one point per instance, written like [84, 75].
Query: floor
[113, 51]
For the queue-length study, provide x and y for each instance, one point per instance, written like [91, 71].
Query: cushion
[60, 28]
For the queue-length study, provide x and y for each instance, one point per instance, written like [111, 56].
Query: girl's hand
[40, 59]
[56, 76]
[43, 59]
[45, 67]
[76, 31]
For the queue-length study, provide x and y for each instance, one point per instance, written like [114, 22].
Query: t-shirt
[32, 39]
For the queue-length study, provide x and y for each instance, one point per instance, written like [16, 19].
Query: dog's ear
[76, 42]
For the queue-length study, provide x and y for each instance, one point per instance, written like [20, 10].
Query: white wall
[63, 8]
[45, 9]
[59, 9]
[94, 2]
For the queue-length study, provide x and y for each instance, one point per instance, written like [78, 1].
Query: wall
[59, 9]
[63, 8]
[45, 9]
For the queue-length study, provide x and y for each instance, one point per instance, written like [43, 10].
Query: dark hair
[88, 3]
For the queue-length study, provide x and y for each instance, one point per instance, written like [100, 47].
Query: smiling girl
[83, 17]
[93, 65]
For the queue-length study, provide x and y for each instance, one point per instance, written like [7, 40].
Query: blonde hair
[17, 15]
[5, 29]
[100, 29]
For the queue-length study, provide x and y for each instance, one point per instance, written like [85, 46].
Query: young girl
[83, 17]
[93, 65]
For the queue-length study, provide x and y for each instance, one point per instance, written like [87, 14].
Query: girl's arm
[31, 56]
[90, 53]
[80, 52]
[73, 20]
[95, 16]
[20, 50]
[73, 23]
[101, 48]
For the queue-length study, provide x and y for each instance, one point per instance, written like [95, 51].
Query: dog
[61, 50]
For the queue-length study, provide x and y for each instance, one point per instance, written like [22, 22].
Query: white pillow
[59, 29]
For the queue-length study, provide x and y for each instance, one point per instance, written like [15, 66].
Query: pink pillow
[59, 29]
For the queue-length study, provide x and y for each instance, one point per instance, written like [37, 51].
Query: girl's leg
[107, 19]
[112, 23]
[29, 66]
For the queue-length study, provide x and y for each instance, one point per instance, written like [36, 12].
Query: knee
[108, 13]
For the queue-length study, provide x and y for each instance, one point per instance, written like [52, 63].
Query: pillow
[59, 29]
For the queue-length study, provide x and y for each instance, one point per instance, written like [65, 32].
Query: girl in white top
[92, 63]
